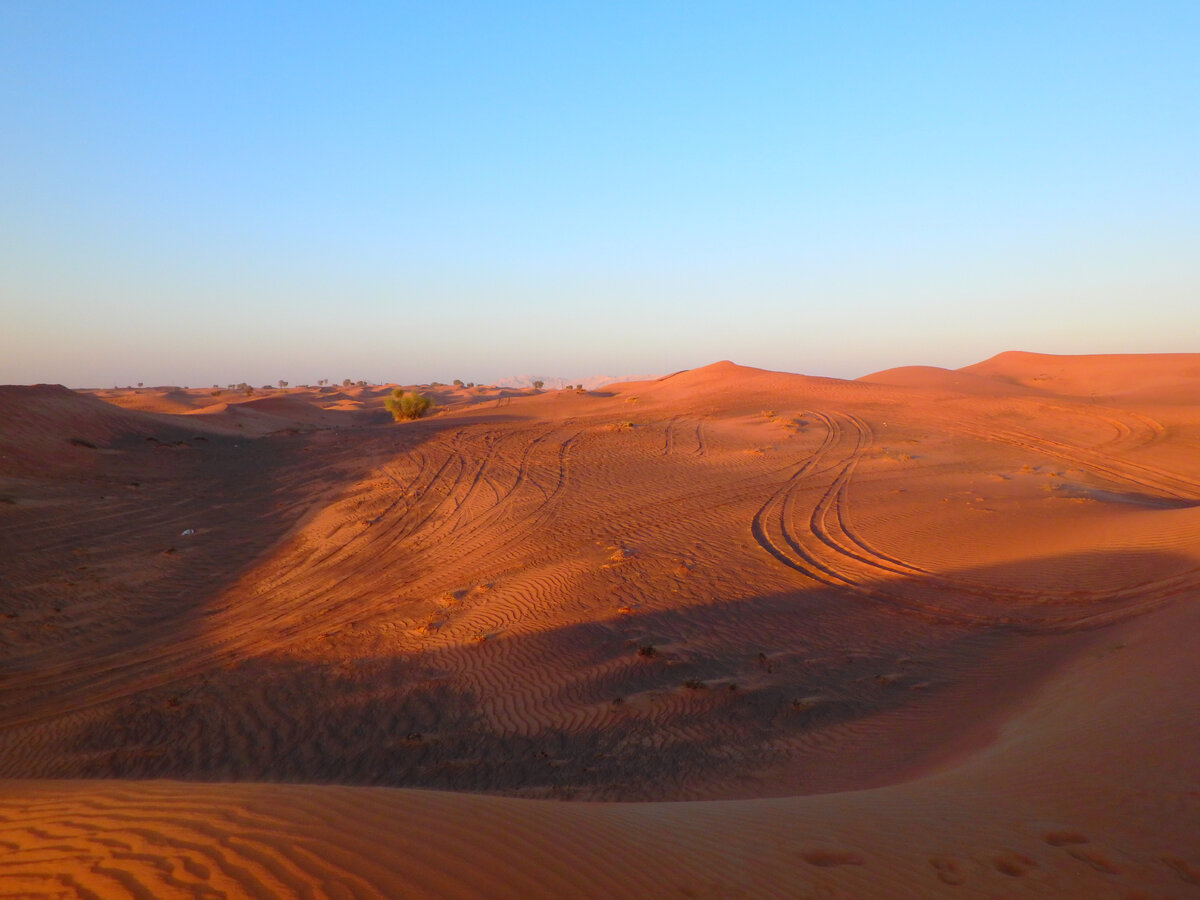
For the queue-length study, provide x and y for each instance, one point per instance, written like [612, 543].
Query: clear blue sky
[204, 192]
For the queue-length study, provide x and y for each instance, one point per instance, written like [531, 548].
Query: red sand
[924, 633]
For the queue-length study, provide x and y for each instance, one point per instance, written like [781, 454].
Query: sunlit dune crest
[926, 633]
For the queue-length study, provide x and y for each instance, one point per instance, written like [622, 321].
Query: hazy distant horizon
[194, 193]
[523, 380]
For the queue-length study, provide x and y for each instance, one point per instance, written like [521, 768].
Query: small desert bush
[405, 405]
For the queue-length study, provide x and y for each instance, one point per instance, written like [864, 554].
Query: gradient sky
[203, 192]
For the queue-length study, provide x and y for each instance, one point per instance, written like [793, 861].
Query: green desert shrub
[407, 405]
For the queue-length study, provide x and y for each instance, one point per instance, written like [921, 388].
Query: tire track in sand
[828, 550]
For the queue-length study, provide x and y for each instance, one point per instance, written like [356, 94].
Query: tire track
[669, 438]
[773, 515]
[828, 550]
[1140, 475]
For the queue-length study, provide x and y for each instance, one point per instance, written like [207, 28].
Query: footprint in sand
[1181, 867]
[1013, 864]
[948, 870]
[1071, 841]
[1095, 859]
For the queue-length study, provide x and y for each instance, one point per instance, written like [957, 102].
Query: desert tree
[537, 385]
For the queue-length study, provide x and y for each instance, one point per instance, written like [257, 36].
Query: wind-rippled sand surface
[928, 633]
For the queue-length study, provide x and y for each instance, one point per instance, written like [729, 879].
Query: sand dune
[951, 381]
[1153, 377]
[50, 428]
[925, 633]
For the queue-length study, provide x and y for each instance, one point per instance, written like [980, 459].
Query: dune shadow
[1132, 498]
[125, 550]
[843, 691]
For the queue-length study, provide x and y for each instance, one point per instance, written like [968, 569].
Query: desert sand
[727, 633]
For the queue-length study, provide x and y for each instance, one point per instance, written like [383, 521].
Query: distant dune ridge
[925, 633]
[1161, 378]
[554, 383]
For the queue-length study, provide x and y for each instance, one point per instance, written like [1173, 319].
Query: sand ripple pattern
[807, 524]
[639, 600]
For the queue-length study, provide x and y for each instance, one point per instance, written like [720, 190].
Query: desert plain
[727, 633]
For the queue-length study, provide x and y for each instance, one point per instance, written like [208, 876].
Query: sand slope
[1053, 808]
[1154, 377]
[924, 633]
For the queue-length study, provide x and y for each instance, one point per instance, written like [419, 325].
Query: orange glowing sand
[927, 633]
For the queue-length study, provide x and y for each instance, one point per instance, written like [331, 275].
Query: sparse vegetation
[282, 384]
[346, 382]
[458, 382]
[405, 405]
[537, 385]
